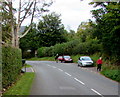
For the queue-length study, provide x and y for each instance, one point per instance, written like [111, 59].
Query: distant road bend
[67, 79]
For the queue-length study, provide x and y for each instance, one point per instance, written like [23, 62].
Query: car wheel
[81, 65]
[78, 65]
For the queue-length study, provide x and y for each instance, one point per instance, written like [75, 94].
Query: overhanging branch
[31, 21]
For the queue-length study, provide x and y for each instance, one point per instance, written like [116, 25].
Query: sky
[73, 12]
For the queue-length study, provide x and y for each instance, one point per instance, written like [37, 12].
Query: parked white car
[85, 61]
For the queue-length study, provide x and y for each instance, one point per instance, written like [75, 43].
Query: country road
[67, 79]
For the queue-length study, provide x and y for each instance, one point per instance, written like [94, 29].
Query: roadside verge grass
[22, 87]
[27, 66]
[111, 71]
[112, 74]
[42, 59]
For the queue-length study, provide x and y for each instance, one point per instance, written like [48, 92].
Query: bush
[59, 49]
[113, 74]
[40, 52]
[71, 48]
[11, 65]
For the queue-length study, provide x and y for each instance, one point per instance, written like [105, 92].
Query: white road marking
[60, 69]
[48, 65]
[54, 67]
[32, 69]
[68, 74]
[97, 92]
[79, 81]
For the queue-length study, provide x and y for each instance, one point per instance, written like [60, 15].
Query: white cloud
[73, 12]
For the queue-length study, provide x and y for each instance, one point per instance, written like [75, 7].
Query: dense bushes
[11, 65]
[113, 74]
[71, 48]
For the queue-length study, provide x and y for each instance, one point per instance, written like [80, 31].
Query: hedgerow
[71, 48]
[11, 65]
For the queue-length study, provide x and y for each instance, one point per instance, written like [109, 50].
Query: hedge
[71, 48]
[11, 65]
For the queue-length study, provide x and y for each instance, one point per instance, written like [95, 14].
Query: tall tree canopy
[48, 32]
[85, 31]
[108, 26]
[51, 30]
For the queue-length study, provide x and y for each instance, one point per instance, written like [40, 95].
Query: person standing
[99, 64]
[56, 58]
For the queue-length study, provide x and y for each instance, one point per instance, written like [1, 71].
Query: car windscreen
[86, 59]
[66, 56]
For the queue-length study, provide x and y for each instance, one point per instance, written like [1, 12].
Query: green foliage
[48, 32]
[85, 31]
[42, 59]
[51, 30]
[71, 48]
[22, 87]
[29, 42]
[40, 52]
[70, 35]
[6, 23]
[113, 74]
[11, 65]
[107, 28]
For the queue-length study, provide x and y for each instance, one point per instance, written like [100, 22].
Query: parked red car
[65, 58]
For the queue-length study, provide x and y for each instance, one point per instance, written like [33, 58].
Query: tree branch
[31, 21]
[27, 10]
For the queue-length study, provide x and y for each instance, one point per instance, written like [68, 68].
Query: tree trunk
[12, 23]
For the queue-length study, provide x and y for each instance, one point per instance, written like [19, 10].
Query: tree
[85, 31]
[70, 35]
[107, 28]
[30, 42]
[6, 24]
[50, 30]
[26, 9]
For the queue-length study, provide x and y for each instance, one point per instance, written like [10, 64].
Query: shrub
[71, 48]
[59, 49]
[40, 52]
[11, 65]
[113, 74]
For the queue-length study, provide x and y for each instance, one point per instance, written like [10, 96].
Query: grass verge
[27, 66]
[112, 74]
[42, 59]
[22, 87]
[111, 71]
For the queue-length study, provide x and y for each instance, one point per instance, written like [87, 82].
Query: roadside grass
[22, 86]
[27, 66]
[111, 71]
[112, 74]
[42, 59]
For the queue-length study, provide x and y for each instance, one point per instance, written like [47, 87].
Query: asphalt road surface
[67, 79]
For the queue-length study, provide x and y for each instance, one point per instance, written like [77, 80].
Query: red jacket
[99, 61]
